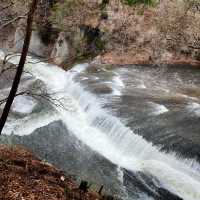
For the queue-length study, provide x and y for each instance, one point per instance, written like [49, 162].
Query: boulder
[36, 47]
[60, 52]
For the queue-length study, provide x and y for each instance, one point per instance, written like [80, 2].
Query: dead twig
[13, 20]
[6, 7]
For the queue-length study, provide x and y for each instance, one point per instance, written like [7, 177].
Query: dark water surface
[93, 129]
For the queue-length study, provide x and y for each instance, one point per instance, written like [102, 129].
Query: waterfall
[83, 114]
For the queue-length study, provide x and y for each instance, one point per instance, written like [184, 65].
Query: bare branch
[45, 96]
[7, 69]
[2, 101]
[194, 47]
[20, 67]
[4, 8]
[13, 20]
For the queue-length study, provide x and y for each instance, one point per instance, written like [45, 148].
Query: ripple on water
[194, 108]
[157, 109]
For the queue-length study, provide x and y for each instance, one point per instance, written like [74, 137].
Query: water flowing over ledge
[83, 115]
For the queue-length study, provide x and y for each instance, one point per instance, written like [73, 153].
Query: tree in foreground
[20, 67]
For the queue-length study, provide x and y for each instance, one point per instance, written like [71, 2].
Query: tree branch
[2, 101]
[20, 67]
[13, 20]
[11, 4]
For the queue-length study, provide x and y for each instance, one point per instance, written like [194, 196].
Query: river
[133, 129]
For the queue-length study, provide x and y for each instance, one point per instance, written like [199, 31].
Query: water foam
[24, 104]
[158, 109]
[107, 135]
[142, 85]
[27, 125]
[194, 107]
[116, 85]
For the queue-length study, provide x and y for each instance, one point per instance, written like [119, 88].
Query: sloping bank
[23, 176]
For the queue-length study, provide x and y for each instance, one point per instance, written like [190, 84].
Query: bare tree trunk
[20, 67]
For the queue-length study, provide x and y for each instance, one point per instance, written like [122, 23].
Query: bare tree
[20, 67]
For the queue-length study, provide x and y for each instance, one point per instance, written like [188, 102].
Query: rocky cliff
[111, 31]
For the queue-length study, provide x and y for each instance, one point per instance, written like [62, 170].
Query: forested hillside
[113, 31]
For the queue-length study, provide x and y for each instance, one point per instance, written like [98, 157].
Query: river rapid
[133, 129]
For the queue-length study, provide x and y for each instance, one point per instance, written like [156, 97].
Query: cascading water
[104, 133]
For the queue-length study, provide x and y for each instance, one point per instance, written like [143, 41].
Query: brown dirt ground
[24, 177]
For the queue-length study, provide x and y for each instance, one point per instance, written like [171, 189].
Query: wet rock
[166, 195]
[60, 52]
[102, 89]
[19, 36]
[36, 45]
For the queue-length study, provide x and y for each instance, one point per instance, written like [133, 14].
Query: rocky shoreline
[113, 58]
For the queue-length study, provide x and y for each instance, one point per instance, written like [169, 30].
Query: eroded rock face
[19, 36]
[60, 52]
[36, 45]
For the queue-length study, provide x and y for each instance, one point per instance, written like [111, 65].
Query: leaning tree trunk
[20, 67]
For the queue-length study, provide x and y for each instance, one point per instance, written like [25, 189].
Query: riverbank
[60, 138]
[24, 176]
[111, 32]
[117, 58]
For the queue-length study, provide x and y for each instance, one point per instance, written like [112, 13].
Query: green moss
[104, 15]
[140, 12]
[145, 2]
[103, 4]
[100, 44]
[197, 55]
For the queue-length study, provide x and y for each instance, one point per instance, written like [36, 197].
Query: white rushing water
[194, 108]
[23, 105]
[157, 109]
[106, 134]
